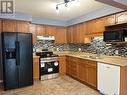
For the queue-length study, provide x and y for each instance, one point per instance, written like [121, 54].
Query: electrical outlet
[79, 49]
[116, 52]
[57, 49]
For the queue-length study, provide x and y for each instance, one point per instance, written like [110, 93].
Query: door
[10, 70]
[25, 61]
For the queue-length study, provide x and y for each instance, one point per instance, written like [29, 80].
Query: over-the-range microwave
[118, 35]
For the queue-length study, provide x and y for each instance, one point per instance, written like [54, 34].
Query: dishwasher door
[108, 79]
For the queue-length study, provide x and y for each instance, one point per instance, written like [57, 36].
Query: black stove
[49, 65]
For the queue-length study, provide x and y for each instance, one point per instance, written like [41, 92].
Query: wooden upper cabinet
[9, 25]
[110, 20]
[100, 25]
[32, 29]
[70, 34]
[60, 35]
[75, 34]
[121, 18]
[15, 26]
[23, 26]
[90, 27]
[80, 33]
[50, 30]
[40, 30]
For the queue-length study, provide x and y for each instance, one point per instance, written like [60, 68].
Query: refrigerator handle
[17, 52]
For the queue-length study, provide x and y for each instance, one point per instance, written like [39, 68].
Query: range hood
[49, 38]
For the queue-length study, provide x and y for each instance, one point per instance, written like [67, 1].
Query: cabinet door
[60, 36]
[70, 34]
[72, 67]
[91, 71]
[50, 30]
[36, 68]
[40, 30]
[80, 33]
[90, 27]
[100, 25]
[62, 65]
[9, 25]
[23, 26]
[75, 34]
[109, 79]
[110, 20]
[121, 18]
[33, 31]
[82, 71]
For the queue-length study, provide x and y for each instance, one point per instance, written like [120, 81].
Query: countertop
[114, 60]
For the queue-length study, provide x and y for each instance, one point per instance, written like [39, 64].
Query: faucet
[98, 52]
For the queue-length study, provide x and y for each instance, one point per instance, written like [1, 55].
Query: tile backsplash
[97, 44]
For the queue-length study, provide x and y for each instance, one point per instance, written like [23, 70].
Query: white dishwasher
[108, 79]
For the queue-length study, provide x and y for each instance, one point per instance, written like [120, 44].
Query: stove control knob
[56, 63]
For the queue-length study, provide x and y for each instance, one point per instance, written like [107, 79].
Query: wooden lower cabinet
[83, 70]
[36, 68]
[62, 65]
[72, 67]
[91, 73]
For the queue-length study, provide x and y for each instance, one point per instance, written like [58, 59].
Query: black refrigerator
[17, 60]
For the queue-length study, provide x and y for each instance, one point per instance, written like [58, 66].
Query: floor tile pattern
[59, 86]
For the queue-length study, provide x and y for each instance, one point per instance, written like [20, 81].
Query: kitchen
[72, 54]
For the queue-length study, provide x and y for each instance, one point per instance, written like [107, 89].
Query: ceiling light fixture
[67, 4]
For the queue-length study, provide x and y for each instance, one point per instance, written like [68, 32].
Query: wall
[97, 44]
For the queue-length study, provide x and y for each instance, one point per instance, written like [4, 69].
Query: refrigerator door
[10, 70]
[25, 60]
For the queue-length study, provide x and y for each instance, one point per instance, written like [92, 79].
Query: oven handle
[43, 61]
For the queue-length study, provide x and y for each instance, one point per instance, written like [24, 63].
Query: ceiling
[46, 8]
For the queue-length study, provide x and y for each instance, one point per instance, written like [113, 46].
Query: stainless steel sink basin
[92, 57]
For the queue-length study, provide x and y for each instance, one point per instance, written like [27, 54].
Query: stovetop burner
[45, 54]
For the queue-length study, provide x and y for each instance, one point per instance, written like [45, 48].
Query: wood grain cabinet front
[33, 30]
[15, 26]
[121, 18]
[83, 70]
[36, 68]
[9, 25]
[62, 65]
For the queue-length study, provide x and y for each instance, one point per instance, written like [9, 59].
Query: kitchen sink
[92, 57]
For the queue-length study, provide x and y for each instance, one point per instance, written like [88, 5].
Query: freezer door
[10, 70]
[25, 61]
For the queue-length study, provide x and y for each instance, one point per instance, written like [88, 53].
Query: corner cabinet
[112, 79]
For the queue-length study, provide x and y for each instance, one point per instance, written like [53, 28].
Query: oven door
[49, 67]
